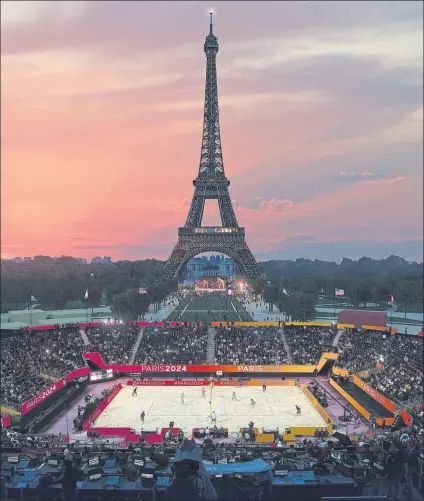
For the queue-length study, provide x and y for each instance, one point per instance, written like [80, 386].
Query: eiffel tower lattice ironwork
[211, 183]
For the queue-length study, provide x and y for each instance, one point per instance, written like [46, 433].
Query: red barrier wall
[95, 414]
[43, 395]
[84, 371]
[113, 431]
[5, 421]
[164, 382]
[96, 358]
[96, 324]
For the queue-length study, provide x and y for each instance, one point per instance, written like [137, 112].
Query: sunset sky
[321, 109]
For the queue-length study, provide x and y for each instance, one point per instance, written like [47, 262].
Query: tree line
[55, 284]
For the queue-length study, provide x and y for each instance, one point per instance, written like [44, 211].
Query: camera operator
[190, 478]
[69, 478]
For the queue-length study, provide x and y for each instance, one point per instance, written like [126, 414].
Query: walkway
[84, 337]
[259, 310]
[134, 349]
[286, 346]
[210, 347]
[337, 338]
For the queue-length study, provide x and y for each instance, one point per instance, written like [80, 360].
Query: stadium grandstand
[246, 400]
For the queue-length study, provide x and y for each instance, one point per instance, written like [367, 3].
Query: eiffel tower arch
[211, 183]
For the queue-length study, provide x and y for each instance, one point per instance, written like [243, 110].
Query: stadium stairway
[210, 346]
[134, 349]
[286, 346]
[84, 337]
[337, 337]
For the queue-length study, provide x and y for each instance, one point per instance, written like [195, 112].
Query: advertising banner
[43, 395]
[170, 382]
[378, 397]
[96, 358]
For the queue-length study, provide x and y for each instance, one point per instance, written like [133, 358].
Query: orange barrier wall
[311, 324]
[378, 397]
[388, 421]
[378, 328]
[271, 324]
[406, 417]
[268, 382]
[338, 371]
[374, 327]
[327, 419]
[324, 357]
[6, 410]
[351, 400]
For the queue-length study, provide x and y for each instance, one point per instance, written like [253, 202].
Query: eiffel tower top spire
[211, 161]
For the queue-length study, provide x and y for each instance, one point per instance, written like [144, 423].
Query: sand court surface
[273, 409]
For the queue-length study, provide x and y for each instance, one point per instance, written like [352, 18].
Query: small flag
[142, 291]
[339, 292]
[392, 299]
[86, 294]
[33, 299]
[285, 292]
[230, 292]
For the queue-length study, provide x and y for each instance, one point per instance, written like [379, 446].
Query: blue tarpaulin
[255, 466]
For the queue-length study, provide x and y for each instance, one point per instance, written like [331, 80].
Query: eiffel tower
[211, 183]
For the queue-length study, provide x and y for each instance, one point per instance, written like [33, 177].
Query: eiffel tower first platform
[211, 183]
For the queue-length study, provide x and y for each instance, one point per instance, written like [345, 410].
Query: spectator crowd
[307, 344]
[166, 345]
[402, 376]
[113, 342]
[31, 362]
[255, 345]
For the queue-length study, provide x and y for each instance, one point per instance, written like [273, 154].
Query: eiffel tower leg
[233, 246]
[175, 261]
